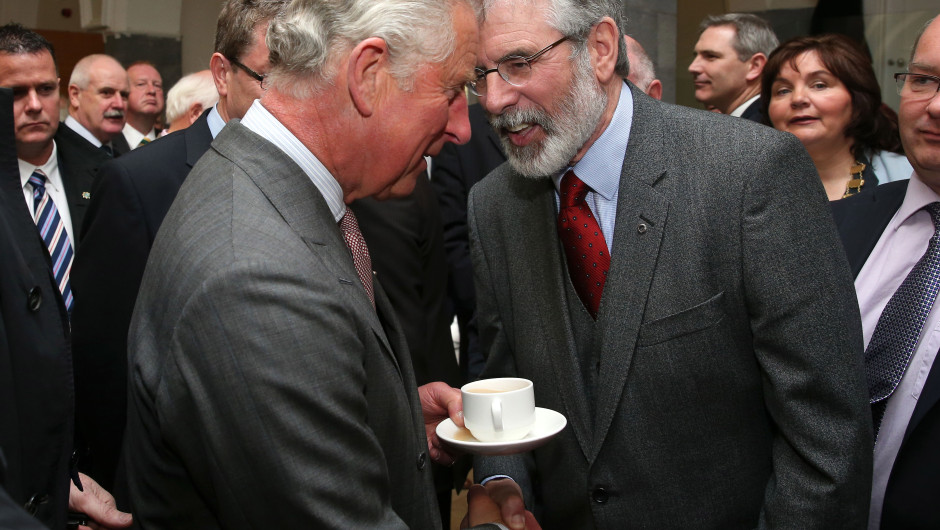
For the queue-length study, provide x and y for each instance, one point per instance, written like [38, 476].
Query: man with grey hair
[188, 98]
[658, 297]
[270, 385]
[98, 91]
[642, 72]
[730, 55]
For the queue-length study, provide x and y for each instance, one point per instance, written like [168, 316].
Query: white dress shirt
[900, 247]
[54, 188]
[133, 136]
[737, 112]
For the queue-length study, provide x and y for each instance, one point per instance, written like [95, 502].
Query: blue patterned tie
[895, 337]
[53, 233]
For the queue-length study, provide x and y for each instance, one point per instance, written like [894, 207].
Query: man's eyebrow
[928, 68]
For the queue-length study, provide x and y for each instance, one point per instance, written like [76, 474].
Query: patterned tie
[107, 149]
[585, 248]
[360, 252]
[143, 141]
[895, 337]
[53, 233]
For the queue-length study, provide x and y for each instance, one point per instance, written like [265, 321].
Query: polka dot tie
[360, 252]
[898, 330]
[585, 249]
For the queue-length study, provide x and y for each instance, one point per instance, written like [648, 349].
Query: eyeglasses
[514, 70]
[251, 73]
[917, 86]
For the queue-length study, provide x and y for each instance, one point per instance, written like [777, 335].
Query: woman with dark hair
[823, 90]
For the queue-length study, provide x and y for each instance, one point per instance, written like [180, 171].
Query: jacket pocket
[696, 318]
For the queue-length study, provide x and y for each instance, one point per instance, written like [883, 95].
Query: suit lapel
[862, 219]
[929, 397]
[546, 289]
[198, 139]
[303, 208]
[641, 219]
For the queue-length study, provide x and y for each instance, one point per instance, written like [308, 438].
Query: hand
[438, 402]
[97, 504]
[483, 508]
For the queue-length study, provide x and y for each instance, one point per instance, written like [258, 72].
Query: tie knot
[572, 190]
[934, 210]
[38, 179]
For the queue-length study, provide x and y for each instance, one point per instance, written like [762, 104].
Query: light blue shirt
[261, 122]
[73, 124]
[215, 121]
[601, 166]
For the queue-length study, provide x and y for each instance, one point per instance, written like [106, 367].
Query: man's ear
[603, 42]
[755, 66]
[217, 67]
[195, 110]
[73, 95]
[367, 74]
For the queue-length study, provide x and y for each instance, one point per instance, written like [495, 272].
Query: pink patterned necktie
[585, 249]
[360, 252]
[53, 233]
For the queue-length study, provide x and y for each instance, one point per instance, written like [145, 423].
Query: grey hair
[81, 73]
[643, 70]
[197, 87]
[752, 33]
[310, 33]
[919, 35]
[576, 18]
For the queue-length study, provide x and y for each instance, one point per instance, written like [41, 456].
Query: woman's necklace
[856, 182]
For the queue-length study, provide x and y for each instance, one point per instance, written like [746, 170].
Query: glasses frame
[900, 85]
[481, 73]
[251, 73]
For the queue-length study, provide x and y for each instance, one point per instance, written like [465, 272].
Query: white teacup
[500, 409]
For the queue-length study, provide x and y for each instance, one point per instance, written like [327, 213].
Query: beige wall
[197, 25]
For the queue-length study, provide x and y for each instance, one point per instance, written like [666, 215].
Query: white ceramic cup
[500, 409]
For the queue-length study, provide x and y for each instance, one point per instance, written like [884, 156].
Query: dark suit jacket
[130, 198]
[453, 172]
[911, 495]
[35, 361]
[754, 111]
[120, 146]
[729, 391]
[78, 164]
[265, 389]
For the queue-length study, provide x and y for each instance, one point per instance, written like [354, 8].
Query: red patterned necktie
[585, 249]
[360, 252]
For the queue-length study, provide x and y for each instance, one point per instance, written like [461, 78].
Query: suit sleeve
[273, 370]
[105, 278]
[808, 342]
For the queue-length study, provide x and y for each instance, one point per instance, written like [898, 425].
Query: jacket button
[422, 461]
[34, 299]
[600, 495]
[642, 228]
[32, 505]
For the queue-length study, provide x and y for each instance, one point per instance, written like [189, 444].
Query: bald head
[98, 91]
[642, 73]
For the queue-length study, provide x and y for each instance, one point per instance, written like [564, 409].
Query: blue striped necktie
[53, 233]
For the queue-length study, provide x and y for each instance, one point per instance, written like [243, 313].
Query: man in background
[98, 91]
[730, 55]
[188, 99]
[144, 104]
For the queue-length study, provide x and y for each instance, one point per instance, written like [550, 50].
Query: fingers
[480, 507]
[98, 505]
[507, 494]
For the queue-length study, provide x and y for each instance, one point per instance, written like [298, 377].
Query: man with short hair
[56, 166]
[189, 97]
[642, 73]
[730, 55]
[659, 296]
[98, 91]
[890, 237]
[265, 357]
[131, 197]
[144, 104]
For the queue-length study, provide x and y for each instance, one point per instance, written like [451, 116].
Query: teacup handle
[498, 414]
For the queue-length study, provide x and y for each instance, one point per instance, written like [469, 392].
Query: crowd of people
[243, 320]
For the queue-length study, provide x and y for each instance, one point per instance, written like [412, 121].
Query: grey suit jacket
[729, 389]
[264, 390]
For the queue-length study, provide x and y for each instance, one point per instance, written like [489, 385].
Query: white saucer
[548, 423]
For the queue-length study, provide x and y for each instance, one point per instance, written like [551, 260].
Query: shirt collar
[601, 166]
[133, 136]
[743, 107]
[917, 196]
[263, 123]
[82, 131]
[216, 123]
[50, 168]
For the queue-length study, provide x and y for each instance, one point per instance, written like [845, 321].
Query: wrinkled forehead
[107, 74]
[514, 28]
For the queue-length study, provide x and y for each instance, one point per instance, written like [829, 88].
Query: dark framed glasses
[251, 73]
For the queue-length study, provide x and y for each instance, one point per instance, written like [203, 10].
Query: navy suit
[129, 201]
[911, 495]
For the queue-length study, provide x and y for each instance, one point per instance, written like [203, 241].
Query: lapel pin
[86, 195]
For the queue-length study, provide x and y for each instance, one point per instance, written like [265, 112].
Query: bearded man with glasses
[645, 265]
